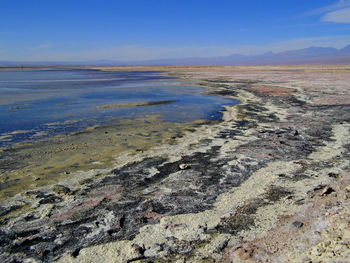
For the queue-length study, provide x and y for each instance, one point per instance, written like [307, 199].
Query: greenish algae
[48, 162]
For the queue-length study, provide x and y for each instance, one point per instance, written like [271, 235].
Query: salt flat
[274, 168]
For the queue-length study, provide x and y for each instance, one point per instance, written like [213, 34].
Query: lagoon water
[38, 103]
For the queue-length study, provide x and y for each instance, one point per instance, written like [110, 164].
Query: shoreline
[43, 163]
[248, 173]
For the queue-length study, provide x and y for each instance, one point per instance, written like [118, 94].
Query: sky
[132, 30]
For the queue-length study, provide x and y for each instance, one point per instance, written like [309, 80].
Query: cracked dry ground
[258, 180]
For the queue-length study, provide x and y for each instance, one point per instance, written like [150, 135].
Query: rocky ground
[269, 183]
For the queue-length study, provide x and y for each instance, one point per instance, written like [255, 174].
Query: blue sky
[61, 30]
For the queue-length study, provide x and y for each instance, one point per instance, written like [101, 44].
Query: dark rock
[61, 189]
[6, 210]
[50, 199]
[333, 175]
[297, 224]
[327, 190]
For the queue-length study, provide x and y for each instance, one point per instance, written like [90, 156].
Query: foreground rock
[274, 160]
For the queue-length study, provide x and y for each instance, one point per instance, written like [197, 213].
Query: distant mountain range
[311, 55]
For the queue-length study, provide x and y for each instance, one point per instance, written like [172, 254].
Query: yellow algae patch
[120, 252]
[98, 147]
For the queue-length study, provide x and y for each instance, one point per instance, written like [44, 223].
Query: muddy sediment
[246, 179]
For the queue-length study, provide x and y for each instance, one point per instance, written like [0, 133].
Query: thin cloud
[339, 16]
[325, 9]
[42, 46]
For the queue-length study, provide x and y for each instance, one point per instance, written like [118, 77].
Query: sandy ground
[270, 183]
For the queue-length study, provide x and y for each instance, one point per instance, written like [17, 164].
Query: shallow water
[37, 103]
